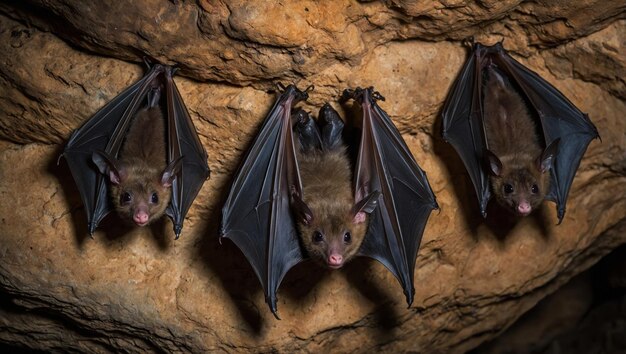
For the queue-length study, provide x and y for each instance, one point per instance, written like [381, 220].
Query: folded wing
[257, 215]
[385, 165]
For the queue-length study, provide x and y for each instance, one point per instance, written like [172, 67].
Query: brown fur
[143, 159]
[327, 190]
[512, 137]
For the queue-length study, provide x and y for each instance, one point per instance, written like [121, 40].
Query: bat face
[334, 236]
[140, 196]
[519, 187]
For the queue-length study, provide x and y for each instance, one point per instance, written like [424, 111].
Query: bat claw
[346, 95]
[149, 61]
[376, 95]
[280, 87]
[469, 41]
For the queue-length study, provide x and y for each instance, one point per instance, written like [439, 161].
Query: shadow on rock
[385, 316]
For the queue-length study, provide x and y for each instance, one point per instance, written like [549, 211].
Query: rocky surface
[139, 290]
[586, 315]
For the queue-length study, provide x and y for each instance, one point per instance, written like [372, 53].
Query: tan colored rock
[599, 59]
[139, 290]
[243, 42]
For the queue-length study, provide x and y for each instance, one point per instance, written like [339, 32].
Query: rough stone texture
[586, 315]
[139, 290]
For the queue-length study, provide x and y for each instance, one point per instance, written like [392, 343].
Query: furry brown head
[331, 227]
[140, 193]
[334, 233]
[519, 181]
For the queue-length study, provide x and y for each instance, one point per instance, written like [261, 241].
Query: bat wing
[560, 120]
[183, 143]
[385, 165]
[463, 126]
[104, 131]
[257, 215]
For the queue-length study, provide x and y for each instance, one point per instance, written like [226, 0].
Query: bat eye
[154, 198]
[535, 189]
[318, 237]
[508, 189]
[125, 198]
[347, 237]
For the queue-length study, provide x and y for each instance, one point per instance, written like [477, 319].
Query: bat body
[561, 131]
[290, 193]
[121, 141]
[140, 181]
[333, 231]
[515, 158]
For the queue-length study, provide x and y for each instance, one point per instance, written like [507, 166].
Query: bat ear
[303, 212]
[545, 161]
[107, 165]
[171, 171]
[497, 77]
[365, 206]
[154, 96]
[494, 163]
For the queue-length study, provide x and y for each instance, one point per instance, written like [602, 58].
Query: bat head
[332, 231]
[520, 182]
[333, 238]
[140, 192]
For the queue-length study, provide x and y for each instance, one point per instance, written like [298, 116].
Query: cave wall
[139, 290]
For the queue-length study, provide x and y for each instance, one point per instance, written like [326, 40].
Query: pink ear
[359, 217]
[494, 163]
[114, 177]
[170, 172]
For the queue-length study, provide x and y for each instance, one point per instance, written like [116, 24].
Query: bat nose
[335, 260]
[141, 218]
[524, 208]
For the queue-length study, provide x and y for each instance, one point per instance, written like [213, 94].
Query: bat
[279, 216]
[146, 127]
[331, 228]
[515, 132]
[140, 181]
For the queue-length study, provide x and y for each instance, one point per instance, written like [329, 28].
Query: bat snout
[335, 261]
[141, 218]
[524, 208]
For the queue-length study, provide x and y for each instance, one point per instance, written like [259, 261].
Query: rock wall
[138, 290]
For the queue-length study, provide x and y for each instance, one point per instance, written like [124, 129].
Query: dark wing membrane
[463, 127]
[560, 119]
[104, 131]
[257, 215]
[183, 142]
[385, 164]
